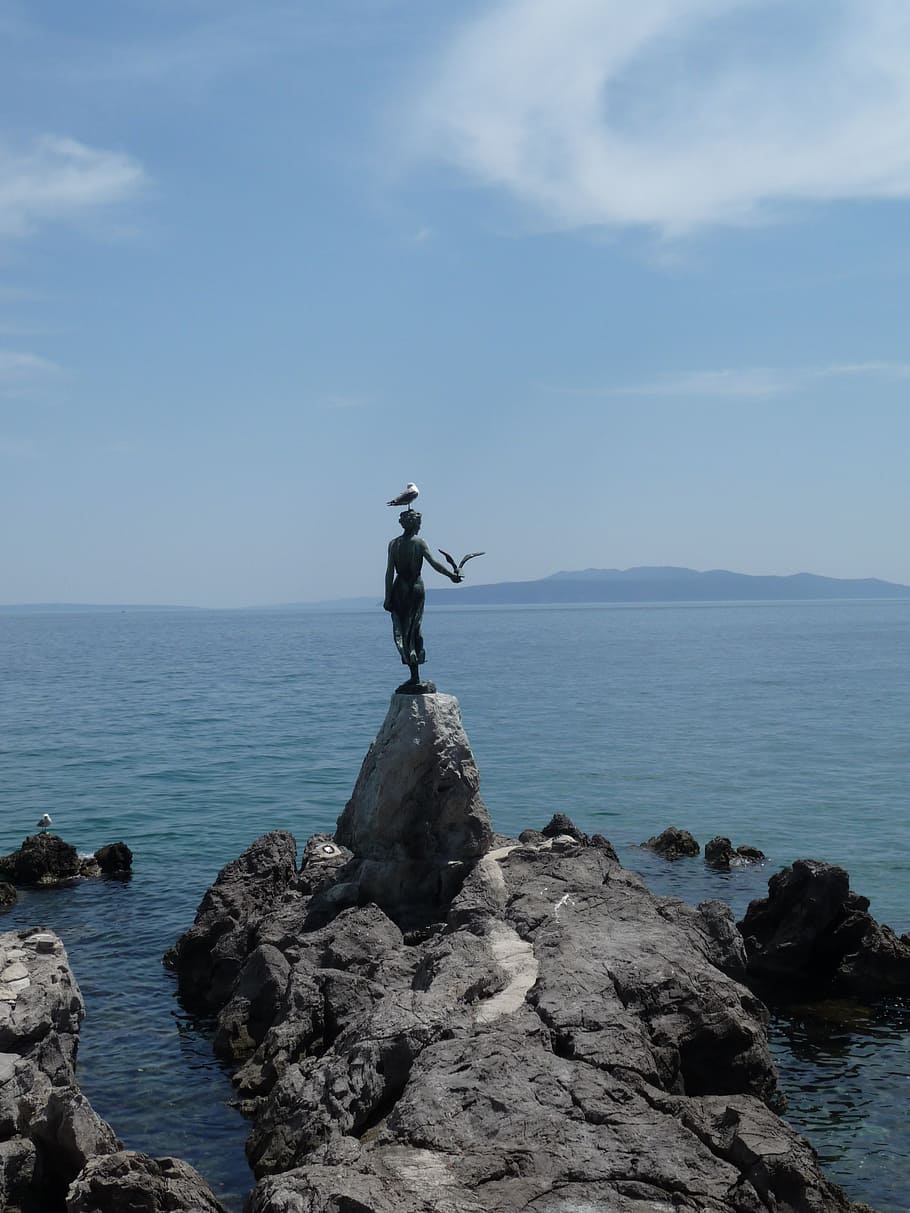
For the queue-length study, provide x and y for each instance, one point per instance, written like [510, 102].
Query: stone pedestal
[415, 823]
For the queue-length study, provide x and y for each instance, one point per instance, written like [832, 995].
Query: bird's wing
[470, 556]
[451, 559]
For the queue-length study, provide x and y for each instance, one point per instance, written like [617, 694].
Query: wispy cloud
[675, 114]
[198, 46]
[746, 383]
[23, 372]
[58, 178]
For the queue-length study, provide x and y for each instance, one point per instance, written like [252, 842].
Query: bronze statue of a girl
[404, 596]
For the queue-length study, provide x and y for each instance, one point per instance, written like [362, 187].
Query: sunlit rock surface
[542, 1032]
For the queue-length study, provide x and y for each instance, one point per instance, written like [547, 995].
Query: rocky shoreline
[428, 1018]
[56, 1152]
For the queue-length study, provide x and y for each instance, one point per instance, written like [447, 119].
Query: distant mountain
[667, 584]
[661, 583]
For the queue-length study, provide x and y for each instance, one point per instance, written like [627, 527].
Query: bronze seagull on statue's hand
[464, 560]
[410, 494]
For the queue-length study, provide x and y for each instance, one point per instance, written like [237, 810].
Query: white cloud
[58, 178]
[749, 383]
[675, 114]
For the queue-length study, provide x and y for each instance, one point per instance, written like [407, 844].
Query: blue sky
[614, 283]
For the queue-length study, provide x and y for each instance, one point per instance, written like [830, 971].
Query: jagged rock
[673, 843]
[7, 896]
[51, 1139]
[815, 934]
[322, 860]
[68, 1130]
[115, 859]
[43, 859]
[415, 823]
[17, 1173]
[531, 837]
[720, 853]
[604, 844]
[208, 957]
[618, 980]
[560, 824]
[319, 980]
[48, 1129]
[128, 1182]
[750, 854]
[713, 930]
[576, 1049]
[545, 1034]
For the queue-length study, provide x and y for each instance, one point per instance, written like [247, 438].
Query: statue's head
[410, 521]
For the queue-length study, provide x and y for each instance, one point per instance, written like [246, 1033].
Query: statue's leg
[398, 635]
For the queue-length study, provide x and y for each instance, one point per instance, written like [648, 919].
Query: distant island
[665, 584]
[662, 583]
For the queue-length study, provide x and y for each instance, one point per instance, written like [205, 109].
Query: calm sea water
[189, 734]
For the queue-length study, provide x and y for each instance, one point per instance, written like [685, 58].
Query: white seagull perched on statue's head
[410, 494]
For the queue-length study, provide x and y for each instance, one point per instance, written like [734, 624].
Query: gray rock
[604, 844]
[43, 859]
[544, 1034]
[51, 1139]
[48, 1129]
[713, 931]
[129, 1182]
[673, 843]
[7, 896]
[115, 859]
[532, 837]
[620, 981]
[70, 1131]
[748, 854]
[581, 1053]
[720, 853]
[564, 1033]
[813, 933]
[415, 823]
[209, 956]
[322, 862]
[560, 824]
[17, 1173]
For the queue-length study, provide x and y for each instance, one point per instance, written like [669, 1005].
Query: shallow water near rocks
[189, 734]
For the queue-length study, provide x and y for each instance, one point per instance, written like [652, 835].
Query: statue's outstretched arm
[441, 568]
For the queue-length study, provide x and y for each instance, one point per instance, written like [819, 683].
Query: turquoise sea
[189, 733]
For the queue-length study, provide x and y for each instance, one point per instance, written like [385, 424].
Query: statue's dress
[407, 600]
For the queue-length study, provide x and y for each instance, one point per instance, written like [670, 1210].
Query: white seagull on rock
[45, 822]
[410, 494]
